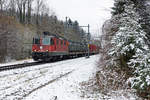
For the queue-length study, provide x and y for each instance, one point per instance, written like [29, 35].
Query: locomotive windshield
[46, 41]
[36, 40]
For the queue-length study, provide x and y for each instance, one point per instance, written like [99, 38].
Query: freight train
[51, 47]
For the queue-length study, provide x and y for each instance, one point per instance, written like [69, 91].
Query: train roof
[46, 33]
[54, 35]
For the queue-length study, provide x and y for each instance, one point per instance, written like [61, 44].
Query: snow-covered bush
[130, 48]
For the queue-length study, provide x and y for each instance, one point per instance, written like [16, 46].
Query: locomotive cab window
[46, 41]
[52, 41]
[36, 40]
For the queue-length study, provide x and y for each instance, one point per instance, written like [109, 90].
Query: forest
[21, 20]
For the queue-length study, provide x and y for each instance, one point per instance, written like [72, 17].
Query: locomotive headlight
[41, 47]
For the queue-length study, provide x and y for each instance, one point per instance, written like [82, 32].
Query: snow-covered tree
[118, 7]
[130, 48]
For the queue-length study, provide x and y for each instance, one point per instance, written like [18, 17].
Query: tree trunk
[29, 12]
[20, 15]
[24, 13]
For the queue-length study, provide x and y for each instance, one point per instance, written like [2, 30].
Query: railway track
[23, 65]
[15, 66]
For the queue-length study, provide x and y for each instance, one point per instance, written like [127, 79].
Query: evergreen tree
[118, 7]
[144, 11]
[130, 47]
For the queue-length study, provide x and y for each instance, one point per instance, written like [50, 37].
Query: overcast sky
[93, 12]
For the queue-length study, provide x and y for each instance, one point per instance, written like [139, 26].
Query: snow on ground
[53, 81]
[45, 82]
[67, 88]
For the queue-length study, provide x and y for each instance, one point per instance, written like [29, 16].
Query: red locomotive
[50, 47]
